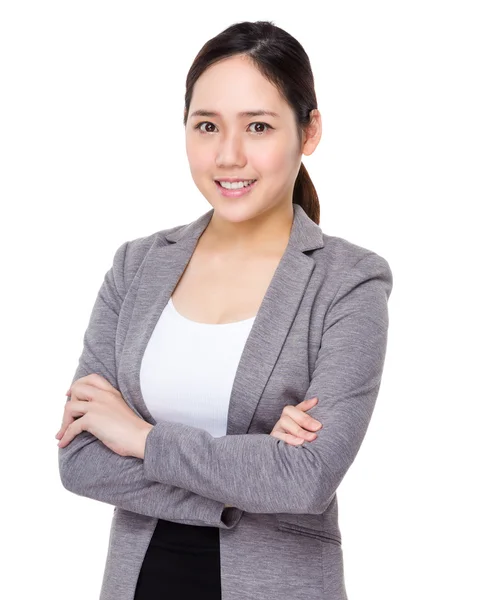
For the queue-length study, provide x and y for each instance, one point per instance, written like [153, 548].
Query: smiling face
[229, 144]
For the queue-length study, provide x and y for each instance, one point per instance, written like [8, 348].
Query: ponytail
[305, 195]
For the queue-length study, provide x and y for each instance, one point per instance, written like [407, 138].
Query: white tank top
[188, 368]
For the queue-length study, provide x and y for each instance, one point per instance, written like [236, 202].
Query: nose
[230, 151]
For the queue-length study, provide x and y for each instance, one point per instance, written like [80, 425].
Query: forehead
[235, 85]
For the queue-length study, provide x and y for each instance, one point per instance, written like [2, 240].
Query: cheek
[199, 158]
[273, 161]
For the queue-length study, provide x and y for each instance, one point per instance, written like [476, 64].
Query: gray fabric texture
[321, 331]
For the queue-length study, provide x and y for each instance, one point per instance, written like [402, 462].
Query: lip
[234, 179]
[235, 193]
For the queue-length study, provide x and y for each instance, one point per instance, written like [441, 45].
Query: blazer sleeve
[88, 467]
[259, 473]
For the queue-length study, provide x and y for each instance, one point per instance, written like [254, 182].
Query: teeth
[236, 185]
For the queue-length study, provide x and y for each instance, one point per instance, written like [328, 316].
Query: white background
[92, 154]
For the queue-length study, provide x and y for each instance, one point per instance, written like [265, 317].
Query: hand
[98, 407]
[294, 426]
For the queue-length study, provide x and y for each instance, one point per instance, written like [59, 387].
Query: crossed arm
[88, 468]
[187, 475]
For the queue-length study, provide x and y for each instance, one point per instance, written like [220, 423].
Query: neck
[268, 231]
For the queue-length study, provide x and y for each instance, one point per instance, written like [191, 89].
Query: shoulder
[341, 257]
[130, 255]
[138, 248]
[352, 273]
[355, 282]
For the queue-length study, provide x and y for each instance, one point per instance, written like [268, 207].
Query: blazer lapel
[161, 272]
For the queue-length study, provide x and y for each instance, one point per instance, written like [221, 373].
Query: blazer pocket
[325, 536]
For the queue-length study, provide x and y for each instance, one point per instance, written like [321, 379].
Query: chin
[234, 213]
[237, 213]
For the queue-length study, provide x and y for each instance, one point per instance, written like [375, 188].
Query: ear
[313, 132]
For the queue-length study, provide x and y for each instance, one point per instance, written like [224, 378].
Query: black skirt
[182, 562]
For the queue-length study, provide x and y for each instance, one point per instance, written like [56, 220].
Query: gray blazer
[321, 330]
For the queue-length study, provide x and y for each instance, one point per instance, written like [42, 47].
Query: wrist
[140, 446]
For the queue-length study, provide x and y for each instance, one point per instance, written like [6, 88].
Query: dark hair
[281, 59]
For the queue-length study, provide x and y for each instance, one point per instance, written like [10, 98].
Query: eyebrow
[246, 113]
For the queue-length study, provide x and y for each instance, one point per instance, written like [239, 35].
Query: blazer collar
[305, 234]
[162, 270]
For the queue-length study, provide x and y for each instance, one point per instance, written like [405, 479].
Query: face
[228, 144]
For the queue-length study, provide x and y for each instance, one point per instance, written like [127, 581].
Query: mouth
[234, 182]
[236, 192]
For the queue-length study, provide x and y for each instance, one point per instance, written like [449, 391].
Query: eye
[202, 123]
[208, 123]
[260, 123]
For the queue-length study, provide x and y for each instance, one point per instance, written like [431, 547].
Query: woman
[216, 350]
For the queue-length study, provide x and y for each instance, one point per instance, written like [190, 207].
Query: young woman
[231, 365]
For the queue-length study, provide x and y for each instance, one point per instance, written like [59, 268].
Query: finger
[74, 429]
[288, 438]
[86, 391]
[82, 395]
[94, 380]
[76, 408]
[306, 404]
[290, 426]
[67, 419]
[61, 432]
[65, 424]
[301, 418]
[72, 411]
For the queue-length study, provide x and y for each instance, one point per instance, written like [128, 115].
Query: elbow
[324, 492]
[73, 463]
[66, 474]
[321, 502]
